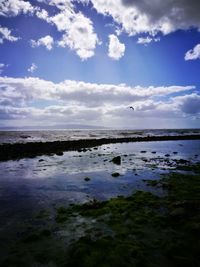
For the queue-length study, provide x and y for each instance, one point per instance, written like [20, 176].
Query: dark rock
[175, 152]
[25, 136]
[40, 160]
[183, 161]
[117, 160]
[87, 179]
[143, 151]
[167, 155]
[115, 174]
[153, 152]
[59, 153]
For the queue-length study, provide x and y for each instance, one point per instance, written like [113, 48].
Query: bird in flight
[131, 108]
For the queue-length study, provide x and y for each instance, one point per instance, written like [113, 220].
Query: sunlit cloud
[6, 35]
[115, 49]
[193, 53]
[32, 68]
[46, 41]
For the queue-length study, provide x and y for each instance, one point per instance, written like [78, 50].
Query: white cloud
[101, 104]
[147, 40]
[46, 41]
[193, 53]
[87, 94]
[189, 104]
[77, 29]
[151, 17]
[42, 14]
[115, 49]
[15, 7]
[2, 66]
[5, 34]
[79, 34]
[32, 68]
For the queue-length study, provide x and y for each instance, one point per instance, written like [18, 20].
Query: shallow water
[29, 184]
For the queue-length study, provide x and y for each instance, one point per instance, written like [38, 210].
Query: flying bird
[131, 108]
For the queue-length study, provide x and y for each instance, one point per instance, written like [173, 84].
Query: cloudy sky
[86, 61]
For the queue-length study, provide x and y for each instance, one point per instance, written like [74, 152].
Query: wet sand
[18, 150]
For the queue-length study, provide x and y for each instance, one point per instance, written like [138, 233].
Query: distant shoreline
[33, 149]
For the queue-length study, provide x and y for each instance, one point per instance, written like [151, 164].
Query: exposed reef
[33, 149]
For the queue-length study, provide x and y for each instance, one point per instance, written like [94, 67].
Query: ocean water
[64, 135]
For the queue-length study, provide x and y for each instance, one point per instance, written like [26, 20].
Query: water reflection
[48, 180]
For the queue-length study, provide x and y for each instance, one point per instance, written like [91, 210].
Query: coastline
[33, 149]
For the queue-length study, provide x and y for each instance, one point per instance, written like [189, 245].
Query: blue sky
[100, 56]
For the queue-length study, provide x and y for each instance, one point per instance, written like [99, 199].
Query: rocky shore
[33, 149]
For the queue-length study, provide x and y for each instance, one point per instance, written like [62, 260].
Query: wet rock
[153, 152]
[25, 136]
[183, 161]
[87, 179]
[175, 152]
[117, 160]
[167, 155]
[59, 153]
[144, 159]
[143, 151]
[115, 174]
[40, 160]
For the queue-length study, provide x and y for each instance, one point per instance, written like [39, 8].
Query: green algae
[189, 167]
[148, 230]
[140, 230]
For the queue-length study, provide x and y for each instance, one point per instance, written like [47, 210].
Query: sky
[85, 62]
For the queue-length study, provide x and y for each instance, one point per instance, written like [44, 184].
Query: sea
[78, 134]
